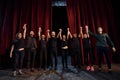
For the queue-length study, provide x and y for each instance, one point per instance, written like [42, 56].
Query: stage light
[59, 3]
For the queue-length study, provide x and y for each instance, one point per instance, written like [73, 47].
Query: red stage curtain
[74, 20]
[35, 13]
[93, 13]
[13, 15]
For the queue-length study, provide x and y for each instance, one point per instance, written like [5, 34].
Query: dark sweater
[52, 43]
[43, 44]
[86, 42]
[102, 39]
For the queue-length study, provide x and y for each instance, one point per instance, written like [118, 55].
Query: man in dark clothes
[43, 49]
[76, 50]
[18, 50]
[31, 48]
[102, 47]
[52, 45]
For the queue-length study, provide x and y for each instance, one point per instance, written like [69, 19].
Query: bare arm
[69, 33]
[111, 43]
[24, 32]
[39, 33]
[11, 51]
[60, 34]
[81, 33]
[89, 32]
[48, 34]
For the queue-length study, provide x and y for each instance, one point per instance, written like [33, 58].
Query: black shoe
[20, 72]
[14, 73]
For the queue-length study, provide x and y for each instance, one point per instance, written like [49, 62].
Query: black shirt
[64, 43]
[86, 42]
[18, 43]
[43, 44]
[75, 43]
[31, 42]
[52, 43]
[102, 39]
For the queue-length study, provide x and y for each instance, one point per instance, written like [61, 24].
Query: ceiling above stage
[58, 2]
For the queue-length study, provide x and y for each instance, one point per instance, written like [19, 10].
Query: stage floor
[71, 73]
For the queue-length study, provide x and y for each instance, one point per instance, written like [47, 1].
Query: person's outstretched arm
[111, 43]
[39, 33]
[81, 33]
[89, 32]
[24, 32]
[60, 34]
[48, 34]
[69, 33]
[11, 51]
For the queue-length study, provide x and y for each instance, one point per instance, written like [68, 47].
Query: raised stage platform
[71, 73]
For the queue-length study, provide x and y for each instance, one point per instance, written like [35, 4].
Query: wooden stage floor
[59, 74]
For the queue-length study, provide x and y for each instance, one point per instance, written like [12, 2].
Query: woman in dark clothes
[18, 50]
[87, 51]
[43, 49]
[76, 49]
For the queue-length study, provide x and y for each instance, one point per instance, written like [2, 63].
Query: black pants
[31, 58]
[76, 57]
[43, 57]
[53, 55]
[18, 58]
[87, 51]
[64, 57]
[100, 51]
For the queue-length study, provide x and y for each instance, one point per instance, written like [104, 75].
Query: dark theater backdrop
[41, 13]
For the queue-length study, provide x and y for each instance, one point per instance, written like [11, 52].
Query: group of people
[48, 49]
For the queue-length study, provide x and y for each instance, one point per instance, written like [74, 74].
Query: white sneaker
[88, 68]
[20, 72]
[92, 68]
[14, 73]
